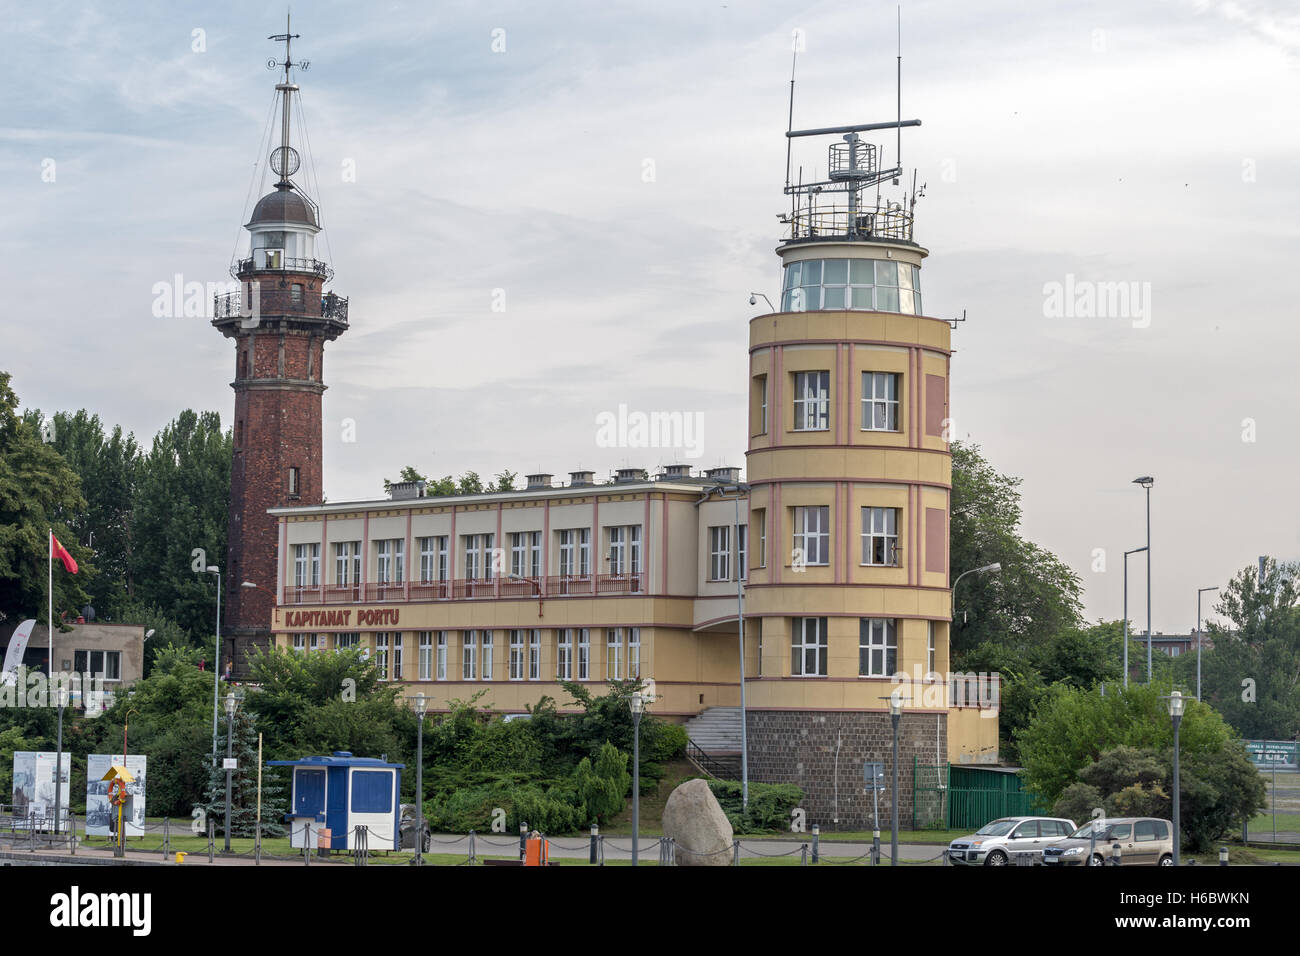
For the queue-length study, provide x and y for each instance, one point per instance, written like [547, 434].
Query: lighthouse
[279, 321]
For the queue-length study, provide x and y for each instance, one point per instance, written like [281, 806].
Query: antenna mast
[285, 159]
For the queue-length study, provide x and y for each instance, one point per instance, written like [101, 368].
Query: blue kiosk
[340, 793]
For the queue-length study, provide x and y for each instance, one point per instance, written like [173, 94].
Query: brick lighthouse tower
[280, 321]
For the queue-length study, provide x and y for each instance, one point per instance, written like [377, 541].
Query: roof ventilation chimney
[579, 479]
[539, 481]
[626, 475]
[404, 490]
[724, 475]
[675, 472]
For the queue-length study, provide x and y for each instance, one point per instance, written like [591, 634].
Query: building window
[564, 654]
[516, 655]
[877, 648]
[487, 655]
[575, 552]
[433, 558]
[864, 284]
[584, 654]
[742, 551]
[720, 553]
[634, 653]
[391, 566]
[315, 642]
[441, 659]
[760, 519]
[534, 654]
[812, 536]
[426, 655]
[397, 656]
[381, 655]
[107, 664]
[625, 549]
[760, 390]
[295, 293]
[880, 536]
[808, 646]
[614, 653]
[293, 483]
[344, 641]
[526, 553]
[929, 656]
[306, 565]
[812, 401]
[469, 655]
[478, 556]
[300, 643]
[347, 563]
[880, 401]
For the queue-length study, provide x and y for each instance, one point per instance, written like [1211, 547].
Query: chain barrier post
[735, 853]
[595, 835]
[211, 834]
[816, 837]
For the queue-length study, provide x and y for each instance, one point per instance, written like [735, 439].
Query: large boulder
[694, 821]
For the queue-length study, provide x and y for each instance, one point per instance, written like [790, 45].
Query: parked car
[406, 829]
[996, 843]
[1143, 841]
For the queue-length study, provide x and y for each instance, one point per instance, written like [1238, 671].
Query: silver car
[998, 842]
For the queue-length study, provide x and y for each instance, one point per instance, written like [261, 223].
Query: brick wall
[800, 747]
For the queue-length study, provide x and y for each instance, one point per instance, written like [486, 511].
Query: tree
[244, 786]
[181, 504]
[1034, 596]
[106, 465]
[1252, 674]
[38, 491]
[1073, 727]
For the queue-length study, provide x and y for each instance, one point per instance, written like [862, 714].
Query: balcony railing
[462, 589]
[286, 264]
[230, 305]
[827, 222]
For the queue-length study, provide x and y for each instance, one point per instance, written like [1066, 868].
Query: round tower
[280, 320]
[850, 479]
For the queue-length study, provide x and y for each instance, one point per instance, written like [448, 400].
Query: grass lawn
[1285, 821]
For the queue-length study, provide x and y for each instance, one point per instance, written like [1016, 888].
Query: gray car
[1143, 841]
[998, 842]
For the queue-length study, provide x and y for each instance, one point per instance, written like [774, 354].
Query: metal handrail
[711, 766]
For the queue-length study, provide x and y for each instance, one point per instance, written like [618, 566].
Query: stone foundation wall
[800, 747]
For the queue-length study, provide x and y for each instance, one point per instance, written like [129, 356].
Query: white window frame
[808, 635]
[535, 654]
[584, 653]
[300, 643]
[876, 531]
[306, 565]
[876, 388]
[469, 655]
[516, 654]
[440, 658]
[487, 655]
[812, 401]
[564, 654]
[390, 563]
[397, 655]
[812, 524]
[426, 655]
[878, 640]
[634, 653]
[613, 653]
[381, 654]
[720, 552]
[929, 657]
[742, 551]
[347, 563]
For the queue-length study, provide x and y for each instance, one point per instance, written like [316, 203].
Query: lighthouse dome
[284, 205]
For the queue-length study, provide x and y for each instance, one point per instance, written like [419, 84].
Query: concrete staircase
[716, 731]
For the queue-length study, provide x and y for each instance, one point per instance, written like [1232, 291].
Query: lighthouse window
[863, 284]
[295, 293]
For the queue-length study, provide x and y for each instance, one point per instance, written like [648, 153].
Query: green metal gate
[929, 796]
[977, 795]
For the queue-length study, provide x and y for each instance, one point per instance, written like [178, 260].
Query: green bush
[770, 805]
[668, 742]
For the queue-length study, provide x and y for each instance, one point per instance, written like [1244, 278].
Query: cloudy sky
[608, 177]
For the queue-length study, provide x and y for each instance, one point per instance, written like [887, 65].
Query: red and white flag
[59, 551]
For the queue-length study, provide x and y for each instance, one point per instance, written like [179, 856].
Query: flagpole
[49, 625]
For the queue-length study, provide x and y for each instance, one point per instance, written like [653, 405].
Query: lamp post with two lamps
[231, 703]
[1199, 592]
[1146, 481]
[216, 669]
[1126, 554]
[638, 707]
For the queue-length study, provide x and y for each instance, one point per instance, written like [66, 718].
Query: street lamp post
[1199, 592]
[993, 568]
[1126, 554]
[895, 718]
[421, 703]
[1176, 705]
[740, 630]
[62, 693]
[1146, 481]
[638, 706]
[216, 670]
[231, 704]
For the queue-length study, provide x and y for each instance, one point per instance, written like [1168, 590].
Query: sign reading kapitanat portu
[342, 617]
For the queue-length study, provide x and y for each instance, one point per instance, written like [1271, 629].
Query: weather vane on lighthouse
[284, 159]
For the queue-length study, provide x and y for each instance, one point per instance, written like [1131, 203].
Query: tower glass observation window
[862, 284]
